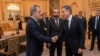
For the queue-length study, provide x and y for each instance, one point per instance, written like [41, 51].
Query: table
[3, 41]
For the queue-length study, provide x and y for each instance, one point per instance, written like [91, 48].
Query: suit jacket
[20, 25]
[74, 37]
[53, 30]
[84, 23]
[89, 23]
[44, 25]
[35, 38]
[92, 27]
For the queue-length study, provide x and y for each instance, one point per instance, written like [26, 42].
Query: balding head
[98, 13]
[80, 13]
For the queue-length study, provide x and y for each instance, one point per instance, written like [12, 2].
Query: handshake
[54, 39]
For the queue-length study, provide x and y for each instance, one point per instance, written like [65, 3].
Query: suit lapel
[72, 23]
[66, 22]
[43, 21]
[98, 21]
[99, 18]
[53, 23]
[38, 26]
[33, 20]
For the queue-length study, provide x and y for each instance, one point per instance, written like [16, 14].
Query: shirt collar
[70, 17]
[80, 17]
[56, 18]
[34, 18]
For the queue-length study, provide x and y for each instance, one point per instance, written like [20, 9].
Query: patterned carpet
[86, 52]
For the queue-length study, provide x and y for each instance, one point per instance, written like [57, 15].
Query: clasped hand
[54, 39]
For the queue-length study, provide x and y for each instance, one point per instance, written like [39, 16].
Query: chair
[22, 43]
[22, 38]
[12, 47]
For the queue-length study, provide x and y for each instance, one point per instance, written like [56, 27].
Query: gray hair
[33, 9]
[67, 7]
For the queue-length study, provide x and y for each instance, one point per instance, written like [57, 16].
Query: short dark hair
[33, 9]
[67, 7]
[54, 9]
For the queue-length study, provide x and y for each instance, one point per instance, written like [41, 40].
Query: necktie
[67, 23]
[57, 24]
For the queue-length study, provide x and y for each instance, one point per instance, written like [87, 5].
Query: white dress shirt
[44, 19]
[80, 17]
[96, 21]
[34, 18]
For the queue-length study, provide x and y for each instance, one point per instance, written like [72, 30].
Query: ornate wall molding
[54, 4]
[95, 4]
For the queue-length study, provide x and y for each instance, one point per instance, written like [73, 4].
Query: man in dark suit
[55, 25]
[20, 25]
[95, 29]
[44, 23]
[89, 25]
[34, 35]
[84, 24]
[73, 32]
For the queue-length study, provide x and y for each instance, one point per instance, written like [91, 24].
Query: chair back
[13, 44]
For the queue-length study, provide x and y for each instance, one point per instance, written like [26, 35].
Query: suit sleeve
[35, 31]
[85, 23]
[49, 29]
[81, 33]
[62, 32]
[91, 24]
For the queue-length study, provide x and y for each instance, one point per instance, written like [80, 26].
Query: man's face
[65, 13]
[56, 13]
[38, 14]
[80, 13]
[97, 13]
[44, 15]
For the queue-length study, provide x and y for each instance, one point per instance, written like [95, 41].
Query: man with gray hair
[73, 32]
[34, 34]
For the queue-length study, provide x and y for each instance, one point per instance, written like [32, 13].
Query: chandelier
[13, 7]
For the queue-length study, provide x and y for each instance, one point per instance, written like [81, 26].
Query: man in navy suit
[34, 34]
[73, 31]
